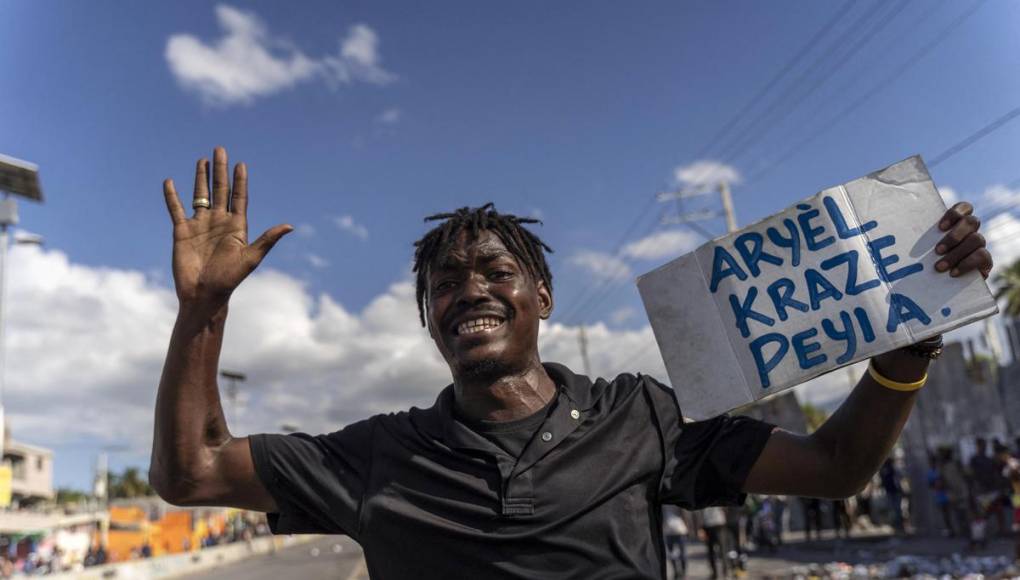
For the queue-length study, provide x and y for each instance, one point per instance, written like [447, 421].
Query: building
[31, 472]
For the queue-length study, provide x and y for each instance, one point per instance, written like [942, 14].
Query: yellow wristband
[891, 384]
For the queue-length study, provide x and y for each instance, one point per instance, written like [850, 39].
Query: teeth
[478, 325]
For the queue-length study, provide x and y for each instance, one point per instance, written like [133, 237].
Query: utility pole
[691, 218]
[727, 204]
[582, 338]
[16, 178]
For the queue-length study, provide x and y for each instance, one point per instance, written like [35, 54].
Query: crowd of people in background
[40, 558]
[981, 499]
[977, 500]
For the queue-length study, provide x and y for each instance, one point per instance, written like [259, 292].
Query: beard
[487, 370]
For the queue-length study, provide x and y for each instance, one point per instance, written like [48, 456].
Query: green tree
[129, 484]
[1008, 283]
[67, 495]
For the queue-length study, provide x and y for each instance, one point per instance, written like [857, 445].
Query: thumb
[260, 247]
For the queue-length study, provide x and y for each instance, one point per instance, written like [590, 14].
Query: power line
[881, 85]
[585, 295]
[752, 139]
[975, 137]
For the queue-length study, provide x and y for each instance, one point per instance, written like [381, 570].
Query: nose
[475, 290]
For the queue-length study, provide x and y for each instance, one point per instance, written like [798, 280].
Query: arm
[195, 460]
[840, 458]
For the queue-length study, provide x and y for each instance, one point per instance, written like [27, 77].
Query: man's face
[484, 308]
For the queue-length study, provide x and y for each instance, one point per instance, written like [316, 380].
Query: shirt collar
[442, 424]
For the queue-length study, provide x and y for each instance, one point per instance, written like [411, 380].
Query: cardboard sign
[839, 277]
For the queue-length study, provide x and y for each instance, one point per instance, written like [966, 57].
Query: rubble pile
[919, 567]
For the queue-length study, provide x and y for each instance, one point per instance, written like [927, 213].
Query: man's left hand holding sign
[839, 458]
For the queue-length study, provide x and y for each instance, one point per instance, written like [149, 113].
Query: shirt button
[547, 436]
[574, 414]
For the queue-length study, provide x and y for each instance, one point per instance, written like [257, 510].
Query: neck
[504, 398]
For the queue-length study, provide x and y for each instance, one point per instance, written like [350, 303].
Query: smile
[476, 325]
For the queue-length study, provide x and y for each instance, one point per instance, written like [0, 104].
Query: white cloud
[346, 223]
[949, 195]
[317, 261]
[601, 264]
[86, 345]
[390, 116]
[248, 62]
[705, 174]
[305, 230]
[664, 244]
[1003, 235]
[1001, 197]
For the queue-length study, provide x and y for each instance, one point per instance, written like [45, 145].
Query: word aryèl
[835, 279]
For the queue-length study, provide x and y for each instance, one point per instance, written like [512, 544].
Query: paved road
[339, 558]
[329, 557]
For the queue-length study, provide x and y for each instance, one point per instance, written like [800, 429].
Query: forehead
[485, 247]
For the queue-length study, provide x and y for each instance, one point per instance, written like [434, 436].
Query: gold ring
[201, 202]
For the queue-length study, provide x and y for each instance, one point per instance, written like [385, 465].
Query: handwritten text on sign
[834, 279]
[843, 275]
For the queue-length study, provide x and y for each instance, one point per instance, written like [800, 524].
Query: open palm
[211, 254]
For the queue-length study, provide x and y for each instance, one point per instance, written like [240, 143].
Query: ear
[545, 300]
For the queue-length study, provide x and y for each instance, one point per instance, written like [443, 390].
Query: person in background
[987, 483]
[1006, 464]
[812, 517]
[1014, 483]
[716, 538]
[674, 529]
[737, 553]
[841, 518]
[938, 489]
[890, 477]
[956, 493]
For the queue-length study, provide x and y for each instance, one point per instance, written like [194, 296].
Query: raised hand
[963, 246]
[211, 252]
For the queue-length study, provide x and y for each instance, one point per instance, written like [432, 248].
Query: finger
[201, 185]
[220, 184]
[980, 260]
[260, 247]
[966, 226]
[961, 251]
[239, 195]
[955, 214]
[173, 203]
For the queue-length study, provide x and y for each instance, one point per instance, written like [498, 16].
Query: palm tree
[1008, 283]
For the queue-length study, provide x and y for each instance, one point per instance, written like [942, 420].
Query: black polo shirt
[427, 497]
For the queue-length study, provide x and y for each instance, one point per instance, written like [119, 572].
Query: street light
[19, 178]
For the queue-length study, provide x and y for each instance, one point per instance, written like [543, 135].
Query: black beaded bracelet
[930, 349]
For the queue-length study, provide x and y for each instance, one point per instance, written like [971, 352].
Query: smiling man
[521, 469]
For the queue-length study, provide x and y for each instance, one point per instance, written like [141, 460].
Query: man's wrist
[901, 366]
[202, 312]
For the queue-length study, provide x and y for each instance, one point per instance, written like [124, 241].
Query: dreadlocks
[524, 245]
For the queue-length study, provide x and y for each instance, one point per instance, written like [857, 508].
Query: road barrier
[182, 564]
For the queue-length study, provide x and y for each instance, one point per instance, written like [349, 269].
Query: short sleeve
[706, 462]
[317, 481]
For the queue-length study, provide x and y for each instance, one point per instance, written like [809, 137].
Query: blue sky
[358, 119]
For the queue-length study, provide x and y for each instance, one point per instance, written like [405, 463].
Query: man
[988, 483]
[520, 469]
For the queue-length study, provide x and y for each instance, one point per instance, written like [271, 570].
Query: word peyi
[834, 279]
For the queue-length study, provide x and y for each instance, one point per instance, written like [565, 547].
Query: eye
[443, 285]
[501, 275]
